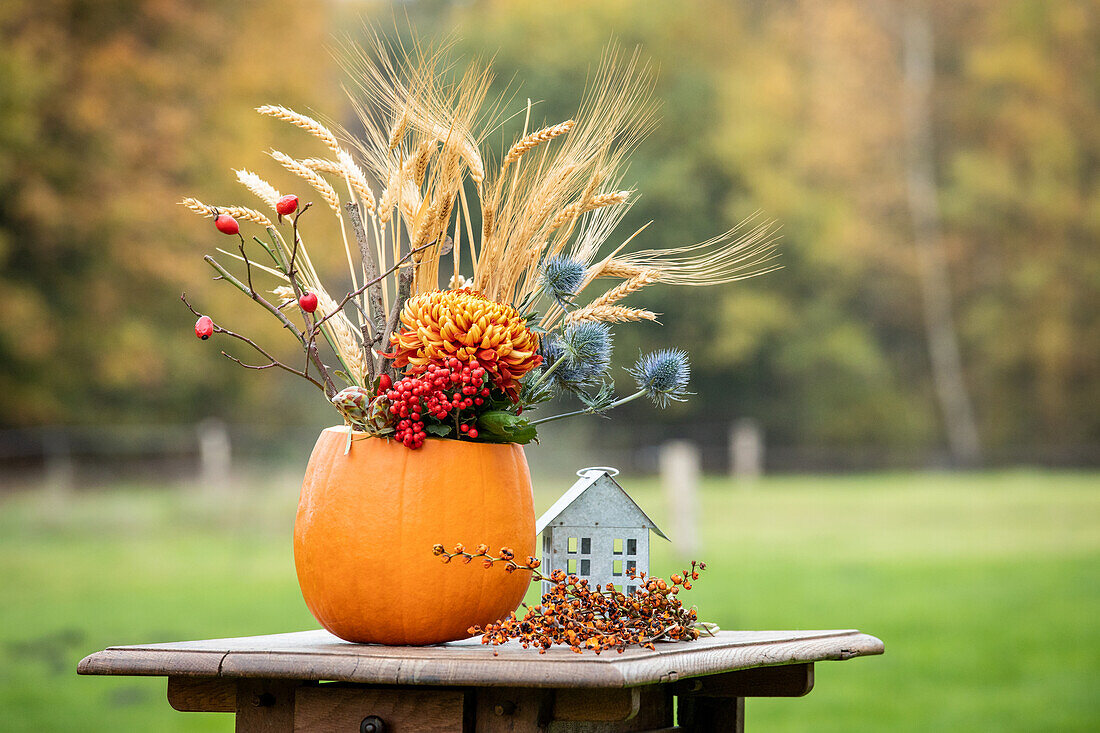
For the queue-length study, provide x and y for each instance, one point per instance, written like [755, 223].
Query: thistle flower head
[561, 278]
[663, 376]
[585, 356]
[587, 345]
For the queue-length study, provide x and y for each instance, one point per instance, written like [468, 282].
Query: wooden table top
[318, 655]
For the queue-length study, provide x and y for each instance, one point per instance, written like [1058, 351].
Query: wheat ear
[536, 138]
[308, 124]
[399, 127]
[617, 268]
[322, 165]
[620, 291]
[349, 168]
[575, 209]
[356, 178]
[310, 176]
[389, 194]
[258, 186]
[420, 158]
[466, 150]
[237, 212]
[610, 314]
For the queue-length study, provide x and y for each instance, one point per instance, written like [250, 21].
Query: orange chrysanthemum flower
[466, 325]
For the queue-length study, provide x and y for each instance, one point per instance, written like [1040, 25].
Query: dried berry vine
[575, 615]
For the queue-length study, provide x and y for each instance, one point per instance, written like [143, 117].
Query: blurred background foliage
[112, 112]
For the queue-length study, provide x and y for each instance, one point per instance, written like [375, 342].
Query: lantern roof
[597, 499]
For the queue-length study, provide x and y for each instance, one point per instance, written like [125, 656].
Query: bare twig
[272, 361]
[374, 287]
[404, 287]
[313, 355]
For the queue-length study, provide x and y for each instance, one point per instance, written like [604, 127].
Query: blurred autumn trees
[111, 112]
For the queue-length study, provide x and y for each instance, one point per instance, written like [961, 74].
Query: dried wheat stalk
[237, 212]
[322, 165]
[747, 250]
[620, 291]
[308, 124]
[615, 268]
[410, 200]
[610, 314]
[285, 295]
[399, 128]
[356, 178]
[420, 158]
[466, 149]
[388, 198]
[343, 335]
[429, 221]
[535, 139]
[575, 209]
[258, 186]
[311, 177]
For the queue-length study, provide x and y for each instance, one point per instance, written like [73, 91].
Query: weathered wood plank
[317, 655]
[653, 710]
[511, 710]
[202, 694]
[597, 705]
[792, 680]
[334, 708]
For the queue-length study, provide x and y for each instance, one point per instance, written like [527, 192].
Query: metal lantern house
[596, 531]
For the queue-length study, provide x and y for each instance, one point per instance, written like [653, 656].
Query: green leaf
[437, 429]
[506, 427]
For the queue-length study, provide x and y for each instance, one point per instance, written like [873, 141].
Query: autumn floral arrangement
[477, 287]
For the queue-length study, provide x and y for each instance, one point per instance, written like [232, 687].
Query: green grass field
[985, 588]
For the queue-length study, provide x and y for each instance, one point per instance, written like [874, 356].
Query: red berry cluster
[451, 393]
[574, 615]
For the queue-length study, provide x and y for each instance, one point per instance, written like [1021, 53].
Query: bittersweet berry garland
[575, 615]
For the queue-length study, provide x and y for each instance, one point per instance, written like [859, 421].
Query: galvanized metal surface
[596, 531]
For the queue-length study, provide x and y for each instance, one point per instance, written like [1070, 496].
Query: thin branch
[404, 287]
[273, 362]
[374, 288]
[314, 356]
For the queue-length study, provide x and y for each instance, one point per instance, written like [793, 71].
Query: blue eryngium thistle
[663, 376]
[561, 278]
[580, 358]
[587, 344]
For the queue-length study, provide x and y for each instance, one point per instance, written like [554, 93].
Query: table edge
[668, 666]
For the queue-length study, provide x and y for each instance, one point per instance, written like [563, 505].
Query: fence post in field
[679, 462]
[215, 455]
[746, 451]
[60, 474]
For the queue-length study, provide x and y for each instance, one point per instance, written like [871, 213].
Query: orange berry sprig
[575, 615]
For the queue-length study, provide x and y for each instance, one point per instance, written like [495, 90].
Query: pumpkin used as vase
[368, 518]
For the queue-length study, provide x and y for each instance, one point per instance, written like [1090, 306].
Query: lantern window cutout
[596, 531]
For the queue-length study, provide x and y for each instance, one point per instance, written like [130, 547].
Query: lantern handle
[611, 471]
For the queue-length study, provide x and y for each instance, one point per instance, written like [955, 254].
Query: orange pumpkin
[367, 522]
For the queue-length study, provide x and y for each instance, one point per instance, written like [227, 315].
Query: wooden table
[313, 681]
